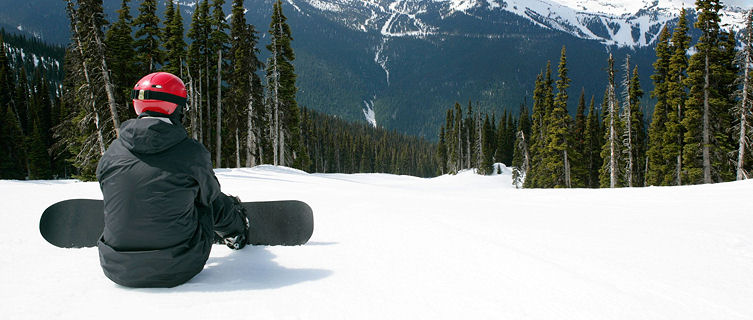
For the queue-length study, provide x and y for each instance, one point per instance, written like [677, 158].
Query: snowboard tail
[78, 223]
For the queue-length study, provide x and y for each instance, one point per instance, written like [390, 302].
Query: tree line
[29, 108]
[220, 67]
[69, 128]
[699, 132]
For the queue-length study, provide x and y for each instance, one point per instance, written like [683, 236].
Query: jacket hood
[151, 134]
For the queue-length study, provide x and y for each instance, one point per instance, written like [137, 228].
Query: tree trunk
[108, 85]
[250, 137]
[199, 105]
[628, 125]
[218, 157]
[100, 135]
[237, 149]
[744, 105]
[612, 138]
[567, 169]
[706, 122]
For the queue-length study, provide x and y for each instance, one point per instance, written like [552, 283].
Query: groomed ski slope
[398, 247]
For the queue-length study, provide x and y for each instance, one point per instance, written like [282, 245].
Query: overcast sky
[739, 3]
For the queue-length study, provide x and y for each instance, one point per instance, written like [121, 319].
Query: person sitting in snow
[162, 201]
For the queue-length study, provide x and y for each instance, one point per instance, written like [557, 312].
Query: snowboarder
[162, 201]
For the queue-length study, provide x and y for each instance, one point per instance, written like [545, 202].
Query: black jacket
[157, 184]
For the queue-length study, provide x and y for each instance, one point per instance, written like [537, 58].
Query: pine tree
[722, 162]
[198, 66]
[94, 119]
[487, 141]
[12, 163]
[558, 150]
[121, 58]
[744, 125]
[21, 102]
[580, 168]
[12, 154]
[218, 53]
[592, 146]
[658, 164]
[450, 142]
[148, 37]
[521, 158]
[674, 137]
[442, 152]
[281, 80]
[705, 102]
[39, 161]
[538, 127]
[509, 133]
[175, 46]
[638, 127]
[6, 77]
[244, 96]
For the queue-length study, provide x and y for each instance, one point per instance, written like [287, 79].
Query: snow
[399, 247]
[369, 113]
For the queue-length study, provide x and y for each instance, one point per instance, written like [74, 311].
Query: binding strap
[156, 95]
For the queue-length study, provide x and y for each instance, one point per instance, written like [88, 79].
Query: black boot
[238, 241]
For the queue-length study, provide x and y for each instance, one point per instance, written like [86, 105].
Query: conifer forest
[693, 127]
[699, 132]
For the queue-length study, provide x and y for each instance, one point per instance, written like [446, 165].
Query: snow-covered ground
[397, 247]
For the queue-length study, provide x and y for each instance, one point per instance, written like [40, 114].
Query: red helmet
[159, 92]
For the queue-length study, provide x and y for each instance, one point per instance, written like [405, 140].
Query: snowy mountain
[400, 64]
[399, 247]
[622, 22]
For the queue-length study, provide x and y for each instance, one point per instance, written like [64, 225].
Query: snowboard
[78, 223]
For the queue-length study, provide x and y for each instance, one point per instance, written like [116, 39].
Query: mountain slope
[400, 64]
[398, 247]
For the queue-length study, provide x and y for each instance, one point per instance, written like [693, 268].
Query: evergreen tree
[538, 127]
[702, 122]
[676, 98]
[121, 58]
[243, 97]
[93, 120]
[521, 159]
[12, 164]
[6, 77]
[21, 102]
[12, 155]
[592, 148]
[175, 46]
[218, 54]
[638, 126]
[450, 142]
[744, 125]
[39, 161]
[198, 66]
[722, 162]
[487, 140]
[558, 150]
[500, 137]
[148, 37]
[509, 133]
[580, 168]
[442, 152]
[659, 164]
[281, 80]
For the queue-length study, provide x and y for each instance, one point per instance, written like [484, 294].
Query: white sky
[747, 4]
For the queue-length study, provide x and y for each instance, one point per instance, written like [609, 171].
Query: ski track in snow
[400, 247]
